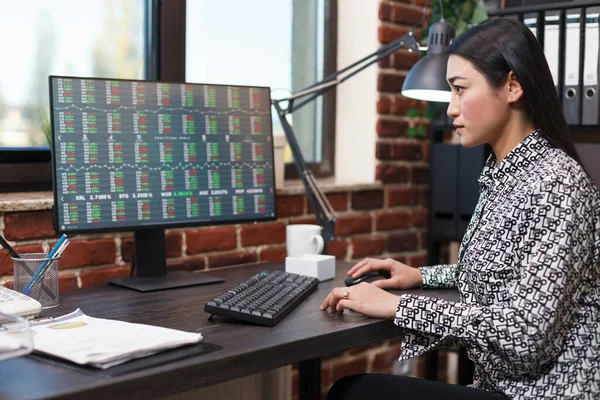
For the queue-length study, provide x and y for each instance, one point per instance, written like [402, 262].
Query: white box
[319, 266]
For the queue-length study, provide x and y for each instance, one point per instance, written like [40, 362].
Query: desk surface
[303, 334]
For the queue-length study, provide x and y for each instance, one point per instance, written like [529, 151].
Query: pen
[57, 246]
[45, 267]
[8, 248]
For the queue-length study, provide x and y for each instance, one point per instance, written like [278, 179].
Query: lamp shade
[426, 80]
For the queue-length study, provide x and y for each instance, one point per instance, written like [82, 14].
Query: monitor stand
[150, 264]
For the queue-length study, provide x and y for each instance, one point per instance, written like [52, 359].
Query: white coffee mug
[304, 239]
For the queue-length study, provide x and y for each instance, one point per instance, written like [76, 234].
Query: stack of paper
[103, 343]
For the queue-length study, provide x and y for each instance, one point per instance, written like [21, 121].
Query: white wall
[356, 103]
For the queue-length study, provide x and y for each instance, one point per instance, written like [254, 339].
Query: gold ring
[346, 294]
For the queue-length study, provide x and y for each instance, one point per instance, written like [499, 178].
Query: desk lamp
[425, 81]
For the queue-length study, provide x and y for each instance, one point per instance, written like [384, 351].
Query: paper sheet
[103, 343]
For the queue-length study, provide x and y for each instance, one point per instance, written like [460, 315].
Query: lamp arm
[323, 210]
[320, 204]
[406, 41]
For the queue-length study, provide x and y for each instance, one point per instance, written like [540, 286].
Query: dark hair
[498, 46]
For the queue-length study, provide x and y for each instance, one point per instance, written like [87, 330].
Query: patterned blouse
[528, 276]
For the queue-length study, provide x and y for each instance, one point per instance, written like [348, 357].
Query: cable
[441, 12]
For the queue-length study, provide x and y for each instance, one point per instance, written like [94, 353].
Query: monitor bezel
[162, 225]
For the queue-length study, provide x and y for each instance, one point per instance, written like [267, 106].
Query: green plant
[415, 129]
[45, 122]
[462, 14]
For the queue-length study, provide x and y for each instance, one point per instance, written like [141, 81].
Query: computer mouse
[369, 277]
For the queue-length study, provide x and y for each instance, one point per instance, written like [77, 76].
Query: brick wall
[382, 220]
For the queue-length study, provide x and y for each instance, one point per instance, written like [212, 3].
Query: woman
[528, 265]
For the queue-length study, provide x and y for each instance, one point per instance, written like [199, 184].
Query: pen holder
[44, 287]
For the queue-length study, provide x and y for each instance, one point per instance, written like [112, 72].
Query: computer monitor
[144, 156]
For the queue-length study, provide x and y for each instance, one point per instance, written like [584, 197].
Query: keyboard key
[264, 299]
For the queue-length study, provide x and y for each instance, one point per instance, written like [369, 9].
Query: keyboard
[263, 299]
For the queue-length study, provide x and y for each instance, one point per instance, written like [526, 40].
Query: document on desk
[103, 343]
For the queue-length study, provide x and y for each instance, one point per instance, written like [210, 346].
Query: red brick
[425, 197]
[407, 15]
[386, 221]
[420, 174]
[389, 82]
[346, 368]
[417, 260]
[392, 173]
[403, 196]
[173, 246]
[211, 239]
[423, 240]
[403, 59]
[385, 359]
[6, 262]
[224, 260]
[403, 241]
[28, 225]
[383, 151]
[326, 375]
[420, 2]
[304, 220]
[385, 62]
[338, 201]
[425, 151]
[367, 199]
[338, 248]
[388, 33]
[174, 241]
[187, 264]
[10, 285]
[407, 151]
[263, 233]
[385, 12]
[384, 104]
[391, 128]
[368, 246]
[67, 282]
[127, 249]
[88, 252]
[290, 206]
[401, 105]
[273, 253]
[419, 217]
[355, 223]
[97, 277]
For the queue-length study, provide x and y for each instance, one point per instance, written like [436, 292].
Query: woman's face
[479, 114]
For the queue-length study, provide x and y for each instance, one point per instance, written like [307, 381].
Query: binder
[551, 26]
[530, 21]
[571, 101]
[590, 107]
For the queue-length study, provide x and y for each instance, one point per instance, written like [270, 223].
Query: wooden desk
[303, 336]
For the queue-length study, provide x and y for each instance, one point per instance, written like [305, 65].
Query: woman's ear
[514, 88]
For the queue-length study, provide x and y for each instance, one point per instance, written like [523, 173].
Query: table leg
[309, 379]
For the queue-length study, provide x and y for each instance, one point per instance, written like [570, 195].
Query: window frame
[325, 168]
[29, 169]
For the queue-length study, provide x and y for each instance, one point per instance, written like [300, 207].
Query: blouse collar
[520, 160]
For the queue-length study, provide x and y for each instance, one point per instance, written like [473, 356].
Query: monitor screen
[136, 155]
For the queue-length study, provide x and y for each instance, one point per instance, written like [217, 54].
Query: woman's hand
[364, 298]
[402, 276]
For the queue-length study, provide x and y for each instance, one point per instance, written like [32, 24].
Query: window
[283, 44]
[100, 38]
